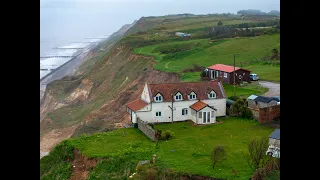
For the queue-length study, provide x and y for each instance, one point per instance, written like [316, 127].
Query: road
[274, 88]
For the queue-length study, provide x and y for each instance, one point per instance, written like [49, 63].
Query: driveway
[274, 88]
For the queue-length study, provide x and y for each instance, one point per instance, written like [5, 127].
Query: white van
[254, 77]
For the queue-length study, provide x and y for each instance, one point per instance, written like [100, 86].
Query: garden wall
[147, 130]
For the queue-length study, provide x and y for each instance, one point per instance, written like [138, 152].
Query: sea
[69, 25]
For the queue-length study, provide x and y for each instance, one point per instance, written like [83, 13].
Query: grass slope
[192, 146]
[266, 72]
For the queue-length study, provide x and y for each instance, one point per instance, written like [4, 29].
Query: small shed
[257, 102]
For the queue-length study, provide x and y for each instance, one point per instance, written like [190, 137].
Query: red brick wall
[269, 113]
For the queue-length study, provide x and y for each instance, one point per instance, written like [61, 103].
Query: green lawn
[245, 91]
[191, 146]
[266, 72]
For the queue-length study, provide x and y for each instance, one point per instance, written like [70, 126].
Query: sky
[62, 21]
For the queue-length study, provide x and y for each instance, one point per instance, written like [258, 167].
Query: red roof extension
[198, 105]
[225, 68]
[137, 105]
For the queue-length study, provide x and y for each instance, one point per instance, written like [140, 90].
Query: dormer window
[178, 96]
[192, 96]
[158, 98]
[212, 95]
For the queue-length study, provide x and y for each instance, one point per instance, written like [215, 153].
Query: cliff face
[95, 101]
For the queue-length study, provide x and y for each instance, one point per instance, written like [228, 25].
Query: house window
[158, 114]
[158, 98]
[185, 111]
[192, 96]
[178, 96]
[212, 114]
[225, 75]
[212, 95]
[200, 114]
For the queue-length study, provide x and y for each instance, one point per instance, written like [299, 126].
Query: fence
[147, 130]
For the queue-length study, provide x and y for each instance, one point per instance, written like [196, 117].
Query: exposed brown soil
[81, 166]
[113, 113]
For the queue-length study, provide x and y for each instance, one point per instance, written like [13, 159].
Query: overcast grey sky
[73, 19]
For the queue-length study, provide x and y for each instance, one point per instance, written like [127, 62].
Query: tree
[240, 108]
[218, 154]
[256, 157]
[220, 23]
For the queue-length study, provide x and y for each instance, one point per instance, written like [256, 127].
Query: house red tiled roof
[201, 89]
[198, 105]
[224, 68]
[137, 105]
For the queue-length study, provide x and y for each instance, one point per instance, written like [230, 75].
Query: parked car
[254, 77]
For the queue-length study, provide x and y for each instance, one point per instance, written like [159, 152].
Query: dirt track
[274, 88]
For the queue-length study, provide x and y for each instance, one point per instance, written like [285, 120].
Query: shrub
[240, 108]
[165, 134]
[203, 74]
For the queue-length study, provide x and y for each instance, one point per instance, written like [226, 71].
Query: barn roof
[225, 68]
[275, 134]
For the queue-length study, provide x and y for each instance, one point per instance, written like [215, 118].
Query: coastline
[68, 68]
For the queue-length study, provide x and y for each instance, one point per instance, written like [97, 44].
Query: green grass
[149, 50]
[245, 91]
[57, 164]
[192, 145]
[266, 72]
[113, 143]
[247, 48]
[190, 77]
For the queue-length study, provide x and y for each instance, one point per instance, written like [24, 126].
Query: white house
[200, 102]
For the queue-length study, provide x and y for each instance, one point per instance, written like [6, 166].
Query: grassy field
[246, 48]
[266, 72]
[245, 91]
[192, 146]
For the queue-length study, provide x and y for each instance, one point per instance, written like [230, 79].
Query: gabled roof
[200, 88]
[200, 105]
[263, 99]
[225, 68]
[136, 105]
[275, 134]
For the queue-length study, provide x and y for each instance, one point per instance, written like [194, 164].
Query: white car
[254, 77]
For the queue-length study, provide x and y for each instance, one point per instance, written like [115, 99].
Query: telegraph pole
[234, 75]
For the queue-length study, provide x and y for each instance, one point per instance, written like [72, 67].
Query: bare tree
[218, 155]
[256, 157]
